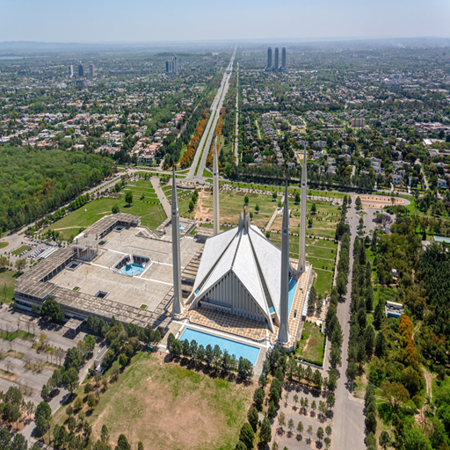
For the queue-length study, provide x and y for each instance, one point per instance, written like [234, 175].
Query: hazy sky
[191, 20]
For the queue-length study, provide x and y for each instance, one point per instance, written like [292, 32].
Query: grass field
[4, 244]
[311, 346]
[7, 281]
[10, 336]
[21, 249]
[165, 405]
[145, 205]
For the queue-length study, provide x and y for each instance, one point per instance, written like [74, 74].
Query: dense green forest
[404, 360]
[34, 182]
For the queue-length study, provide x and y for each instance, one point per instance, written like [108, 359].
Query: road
[348, 427]
[208, 134]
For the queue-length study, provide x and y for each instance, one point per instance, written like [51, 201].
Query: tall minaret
[283, 332]
[216, 191]
[304, 195]
[176, 259]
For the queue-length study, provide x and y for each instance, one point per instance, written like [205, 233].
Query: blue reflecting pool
[234, 348]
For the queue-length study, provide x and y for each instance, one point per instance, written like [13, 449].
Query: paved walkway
[161, 196]
[274, 215]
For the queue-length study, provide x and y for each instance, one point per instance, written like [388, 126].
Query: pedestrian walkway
[161, 196]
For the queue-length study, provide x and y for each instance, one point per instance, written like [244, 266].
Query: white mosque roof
[246, 252]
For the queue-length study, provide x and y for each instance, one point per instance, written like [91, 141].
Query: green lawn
[311, 346]
[148, 209]
[4, 244]
[7, 282]
[10, 336]
[152, 395]
[21, 249]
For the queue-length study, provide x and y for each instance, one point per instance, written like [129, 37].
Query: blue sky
[192, 20]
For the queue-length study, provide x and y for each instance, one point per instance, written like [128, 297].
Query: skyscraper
[91, 70]
[70, 71]
[283, 58]
[175, 64]
[275, 66]
[80, 70]
[167, 66]
[269, 57]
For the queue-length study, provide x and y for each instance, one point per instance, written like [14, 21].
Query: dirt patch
[165, 405]
[382, 200]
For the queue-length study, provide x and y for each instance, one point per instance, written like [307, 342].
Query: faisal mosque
[245, 285]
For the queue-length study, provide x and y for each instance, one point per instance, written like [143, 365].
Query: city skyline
[112, 22]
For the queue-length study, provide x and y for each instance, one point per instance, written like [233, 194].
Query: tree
[300, 427]
[19, 443]
[257, 208]
[240, 446]
[320, 433]
[317, 379]
[128, 201]
[122, 443]
[104, 434]
[295, 400]
[115, 209]
[380, 345]
[384, 439]
[246, 199]
[3, 262]
[335, 355]
[245, 368]
[290, 425]
[281, 419]
[44, 392]
[258, 398]
[51, 310]
[265, 434]
[71, 380]
[327, 442]
[297, 198]
[42, 418]
[369, 337]
[253, 418]
[71, 424]
[416, 440]
[328, 430]
[247, 436]
[341, 284]
[371, 423]
[5, 438]
[358, 203]
[140, 446]
[310, 431]
[330, 401]
[21, 264]
[395, 393]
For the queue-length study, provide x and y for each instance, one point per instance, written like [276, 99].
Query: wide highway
[208, 134]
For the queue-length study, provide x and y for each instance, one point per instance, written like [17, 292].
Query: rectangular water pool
[292, 287]
[233, 347]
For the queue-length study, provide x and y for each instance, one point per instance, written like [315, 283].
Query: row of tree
[212, 356]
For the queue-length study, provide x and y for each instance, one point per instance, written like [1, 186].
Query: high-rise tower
[70, 71]
[283, 332]
[304, 195]
[178, 305]
[175, 64]
[216, 224]
[269, 58]
[80, 70]
[283, 58]
[91, 70]
[275, 65]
